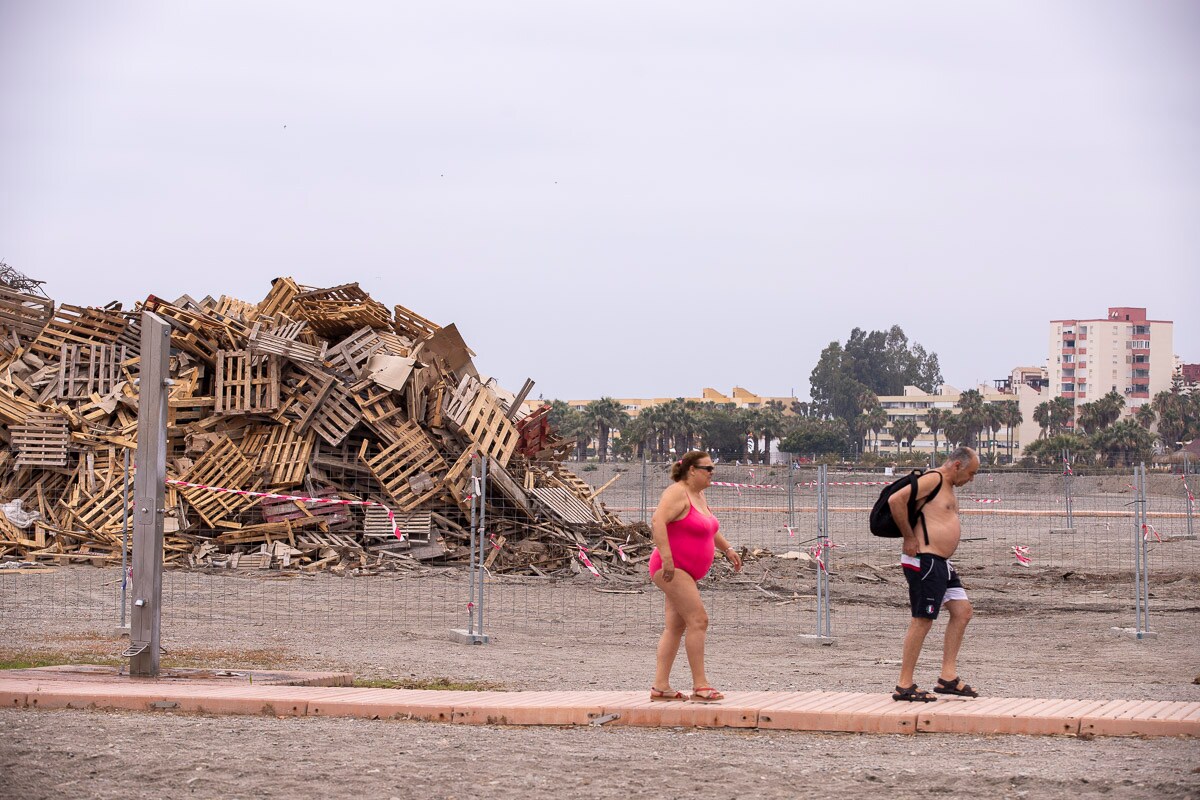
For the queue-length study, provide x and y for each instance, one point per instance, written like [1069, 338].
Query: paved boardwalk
[235, 693]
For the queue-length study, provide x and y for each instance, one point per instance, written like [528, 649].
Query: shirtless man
[932, 579]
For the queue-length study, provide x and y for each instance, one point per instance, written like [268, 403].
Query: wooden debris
[309, 393]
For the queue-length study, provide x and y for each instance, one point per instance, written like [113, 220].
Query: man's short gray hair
[962, 455]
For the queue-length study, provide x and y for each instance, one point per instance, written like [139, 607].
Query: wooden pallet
[24, 314]
[246, 383]
[222, 465]
[458, 401]
[409, 470]
[283, 341]
[233, 308]
[84, 370]
[196, 333]
[416, 526]
[15, 410]
[381, 411]
[327, 514]
[281, 299]
[412, 325]
[282, 454]
[319, 402]
[337, 311]
[42, 441]
[74, 324]
[489, 429]
[352, 353]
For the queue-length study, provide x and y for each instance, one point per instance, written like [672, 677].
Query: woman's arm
[728, 551]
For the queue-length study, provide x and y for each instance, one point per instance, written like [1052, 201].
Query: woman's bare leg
[668, 646]
[684, 597]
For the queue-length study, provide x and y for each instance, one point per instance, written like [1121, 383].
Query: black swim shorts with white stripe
[931, 581]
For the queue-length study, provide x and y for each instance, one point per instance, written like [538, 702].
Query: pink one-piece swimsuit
[691, 540]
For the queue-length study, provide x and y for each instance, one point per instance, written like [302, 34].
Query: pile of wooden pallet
[320, 393]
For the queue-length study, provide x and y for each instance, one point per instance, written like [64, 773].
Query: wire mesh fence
[1020, 541]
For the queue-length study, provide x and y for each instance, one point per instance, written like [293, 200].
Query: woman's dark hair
[679, 469]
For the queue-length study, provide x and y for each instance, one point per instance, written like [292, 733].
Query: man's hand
[910, 546]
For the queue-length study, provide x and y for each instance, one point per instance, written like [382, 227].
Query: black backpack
[882, 523]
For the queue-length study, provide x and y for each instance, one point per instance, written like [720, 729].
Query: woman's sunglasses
[709, 468]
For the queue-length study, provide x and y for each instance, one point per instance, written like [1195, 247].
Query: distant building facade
[1124, 352]
[738, 398]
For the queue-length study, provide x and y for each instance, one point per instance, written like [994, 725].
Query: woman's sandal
[706, 694]
[659, 695]
[955, 687]
[912, 695]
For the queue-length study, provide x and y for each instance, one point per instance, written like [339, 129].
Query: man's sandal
[912, 695]
[706, 694]
[955, 687]
[659, 695]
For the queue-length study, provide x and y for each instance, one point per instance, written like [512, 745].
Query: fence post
[149, 490]
[645, 487]
[1189, 498]
[124, 626]
[473, 634]
[1067, 473]
[791, 497]
[821, 553]
[1141, 567]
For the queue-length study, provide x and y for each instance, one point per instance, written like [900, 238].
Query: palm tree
[877, 420]
[958, 430]
[1124, 443]
[936, 420]
[1041, 415]
[906, 430]
[602, 416]
[1013, 419]
[1090, 416]
[993, 418]
[972, 414]
[1145, 416]
[1062, 411]
[770, 426]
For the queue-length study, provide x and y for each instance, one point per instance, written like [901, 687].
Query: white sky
[621, 198]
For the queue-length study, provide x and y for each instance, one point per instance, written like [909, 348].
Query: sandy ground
[1041, 637]
[1045, 631]
[83, 754]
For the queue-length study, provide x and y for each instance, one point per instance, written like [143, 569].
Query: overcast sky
[621, 198]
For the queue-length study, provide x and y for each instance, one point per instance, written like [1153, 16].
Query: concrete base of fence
[812, 638]
[1134, 633]
[97, 673]
[798, 711]
[1070, 531]
[465, 637]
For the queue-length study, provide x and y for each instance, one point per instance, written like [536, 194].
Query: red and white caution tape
[859, 483]
[621, 552]
[791, 531]
[984, 499]
[817, 550]
[745, 485]
[1067, 466]
[1021, 552]
[326, 500]
[1191, 498]
[1148, 531]
[587, 562]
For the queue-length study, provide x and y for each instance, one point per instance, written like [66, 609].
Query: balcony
[1068, 351]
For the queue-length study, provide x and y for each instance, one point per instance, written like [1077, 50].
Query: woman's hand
[668, 567]
[734, 558]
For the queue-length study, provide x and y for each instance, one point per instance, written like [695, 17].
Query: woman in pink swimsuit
[686, 535]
